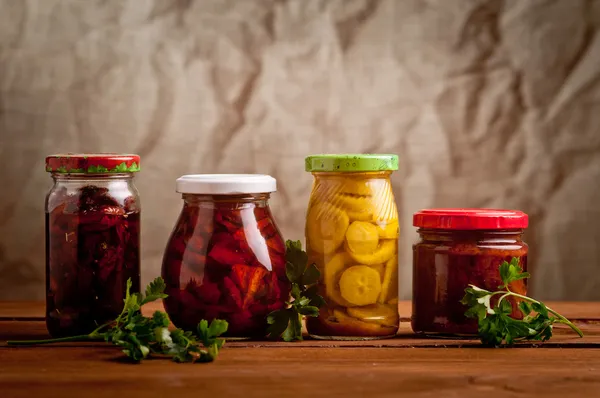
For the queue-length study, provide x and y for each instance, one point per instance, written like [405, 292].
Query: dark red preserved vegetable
[457, 248]
[92, 247]
[225, 259]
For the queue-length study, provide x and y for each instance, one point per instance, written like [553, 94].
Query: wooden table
[564, 366]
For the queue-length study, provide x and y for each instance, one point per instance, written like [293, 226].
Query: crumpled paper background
[487, 103]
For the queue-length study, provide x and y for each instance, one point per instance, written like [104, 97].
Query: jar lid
[469, 219]
[226, 184]
[90, 163]
[351, 162]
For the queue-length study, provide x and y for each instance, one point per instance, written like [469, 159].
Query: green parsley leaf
[496, 326]
[287, 323]
[140, 336]
[511, 272]
[310, 276]
[155, 291]
[296, 261]
[278, 322]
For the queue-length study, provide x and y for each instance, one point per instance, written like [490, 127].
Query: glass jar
[226, 257]
[92, 240]
[352, 236]
[458, 247]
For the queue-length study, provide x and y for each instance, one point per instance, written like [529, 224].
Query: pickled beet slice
[232, 294]
[207, 292]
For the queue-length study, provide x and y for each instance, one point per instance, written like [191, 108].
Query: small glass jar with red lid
[92, 239]
[458, 247]
[225, 258]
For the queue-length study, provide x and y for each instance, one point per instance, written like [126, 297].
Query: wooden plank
[315, 372]
[406, 365]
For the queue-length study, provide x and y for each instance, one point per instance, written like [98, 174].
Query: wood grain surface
[404, 366]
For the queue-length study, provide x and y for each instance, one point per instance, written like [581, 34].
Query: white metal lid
[226, 184]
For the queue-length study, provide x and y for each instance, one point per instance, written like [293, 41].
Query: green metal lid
[351, 162]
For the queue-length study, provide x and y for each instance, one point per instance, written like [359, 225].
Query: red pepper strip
[268, 229]
[249, 279]
[225, 254]
[276, 243]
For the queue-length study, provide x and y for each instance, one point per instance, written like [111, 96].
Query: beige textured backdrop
[487, 103]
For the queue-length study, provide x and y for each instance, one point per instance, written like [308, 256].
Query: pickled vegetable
[389, 288]
[360, 285]
[388, 230]
[381, 254]
[93, 248]
[362, 237]
[333, 271]
[382, 314]
[326, 227]
[352, 231]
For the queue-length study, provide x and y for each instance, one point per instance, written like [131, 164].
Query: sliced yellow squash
[381, 314]
[365, 186]
[380, 268]
[325, 227]
[360, 285]
[388, 230]
[389, 289]
[352, 323]
[362, 237]
[384, 251]
[358, 208]
[333, 271]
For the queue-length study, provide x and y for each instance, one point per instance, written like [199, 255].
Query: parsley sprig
[140, 336]
[287, 323]
[496, 326]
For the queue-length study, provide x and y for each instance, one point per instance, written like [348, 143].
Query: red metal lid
[93, 163]
[469, 219]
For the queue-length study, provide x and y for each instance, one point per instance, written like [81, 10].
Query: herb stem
[82, 337]
[94, 335]
[561, 318]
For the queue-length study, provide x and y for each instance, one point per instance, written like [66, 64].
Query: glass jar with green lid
[352, 236]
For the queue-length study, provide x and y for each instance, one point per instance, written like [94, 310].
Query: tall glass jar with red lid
[92, 239]
[458, 247]
[225, 258]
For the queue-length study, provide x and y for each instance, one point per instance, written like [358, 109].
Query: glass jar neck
[260, 199]
[62, 177]
[443, 235]
[362, 174]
